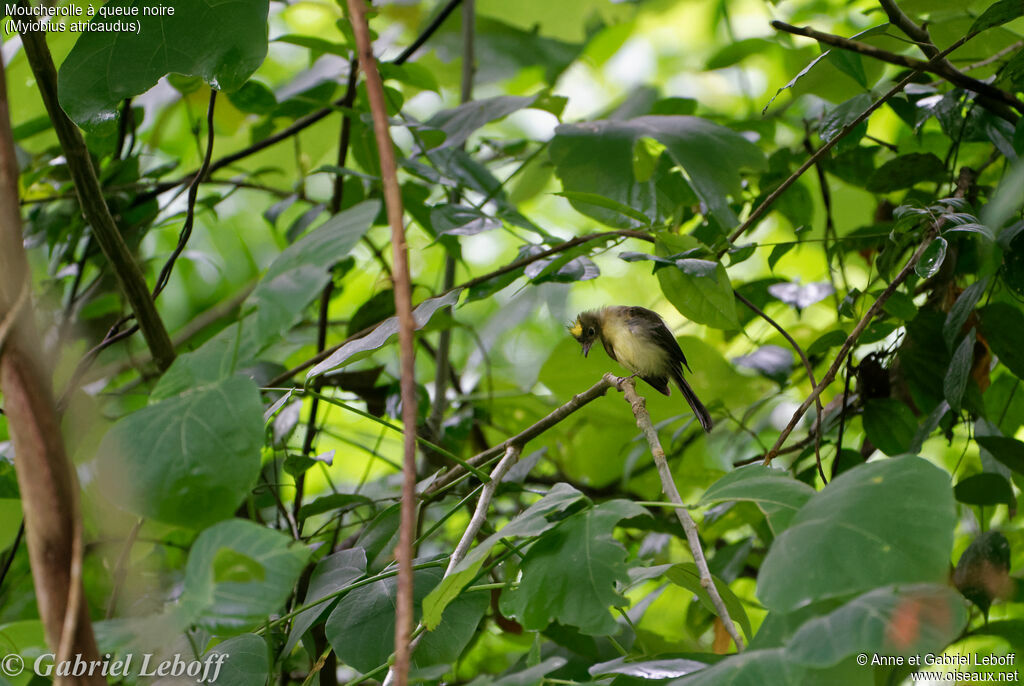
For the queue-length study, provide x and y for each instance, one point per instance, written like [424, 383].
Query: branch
[49, 493]
[850, 341]
[995, 99]
[668, 486]
[406, 332]
[524, 436]
[761, 209]
[94, 207]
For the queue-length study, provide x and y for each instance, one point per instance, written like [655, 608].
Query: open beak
[586, 347]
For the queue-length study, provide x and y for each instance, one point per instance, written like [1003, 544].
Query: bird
[639, 340]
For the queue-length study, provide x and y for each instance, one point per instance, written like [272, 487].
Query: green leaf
[1002, 325]
[711, 155]
[905, 171]
[687, 576]
[986, 488]
[959, 371]
[380, 335]
[578, 198]
[699, 289]
[842, 115]
[340, 502]
[230, 565]
[737, 51]
[10, 521]
[827, 341]
[532, 521]
[444, 645]
[246, 661]
[997, 15]
[749, 668]
[890, 425]
[893, 620]
[1007, 451]
[458, 124]
[277, 303]
[932, 258]
[231, 607]
[201, 448]
[221, 42]
[843, 540]
[333, 572]
[776, 494]
[570, 574]
[361, 629]
[253, 97]
[459, 220]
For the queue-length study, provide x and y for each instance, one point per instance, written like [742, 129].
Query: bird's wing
[649, 322]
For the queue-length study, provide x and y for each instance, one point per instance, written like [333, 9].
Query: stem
[406, 332]
[668, 486]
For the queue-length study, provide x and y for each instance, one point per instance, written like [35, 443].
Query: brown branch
[406, 333]
[523, 437]
[992, 98]
[668, 487]
[49, 492]
[94, 207]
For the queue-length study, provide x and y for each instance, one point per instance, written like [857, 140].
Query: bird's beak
[586, 347]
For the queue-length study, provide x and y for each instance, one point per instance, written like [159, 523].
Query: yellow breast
[636, 353]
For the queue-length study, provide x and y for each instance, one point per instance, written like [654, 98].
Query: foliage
[244, 502]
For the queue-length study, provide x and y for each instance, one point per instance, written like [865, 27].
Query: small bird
[638, 339]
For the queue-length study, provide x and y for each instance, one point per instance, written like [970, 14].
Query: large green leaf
[532, 521]
[230, 601]
[459, 123]
[362, 626]
[1003, 327]
[879, 523]
[277, 303]
[911, 620]
[889, 425]
[223, 42]
[331, 573]
[711, 155]
[570, 574]
[699, 289]
[750, 668]
[188, 460]
[245, 661]
[778, 495]
[686, 575]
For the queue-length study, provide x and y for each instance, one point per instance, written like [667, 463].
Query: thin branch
[668, 486]
[193, 194]
[850, 341]
[121, 566]
[524, 436]
[807, 367]
[93, 205]
[761, 209]
[427, 32]
[994, 99]
[406, 334]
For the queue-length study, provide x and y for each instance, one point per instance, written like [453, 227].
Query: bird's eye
[590, 331]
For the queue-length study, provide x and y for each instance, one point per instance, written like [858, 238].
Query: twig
[524, 436]
[428, 31]
[193, 194]
[337, 198]
[406, 333]
[996, 57]
[121, 567]
[850, 341]
[995, 99]
[94, 206]
[807, 367]
[5, 570]
[668, 486]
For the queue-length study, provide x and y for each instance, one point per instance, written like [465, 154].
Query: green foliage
[245, 502]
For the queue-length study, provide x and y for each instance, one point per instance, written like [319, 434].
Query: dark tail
[703, 416]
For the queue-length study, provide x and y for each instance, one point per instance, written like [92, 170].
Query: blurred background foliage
[226, 497]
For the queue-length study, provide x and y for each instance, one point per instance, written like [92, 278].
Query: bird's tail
[703, 416]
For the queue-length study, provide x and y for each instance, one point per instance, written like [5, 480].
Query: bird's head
[585, 330]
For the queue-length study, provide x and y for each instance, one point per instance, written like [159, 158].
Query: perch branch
[668, 486]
